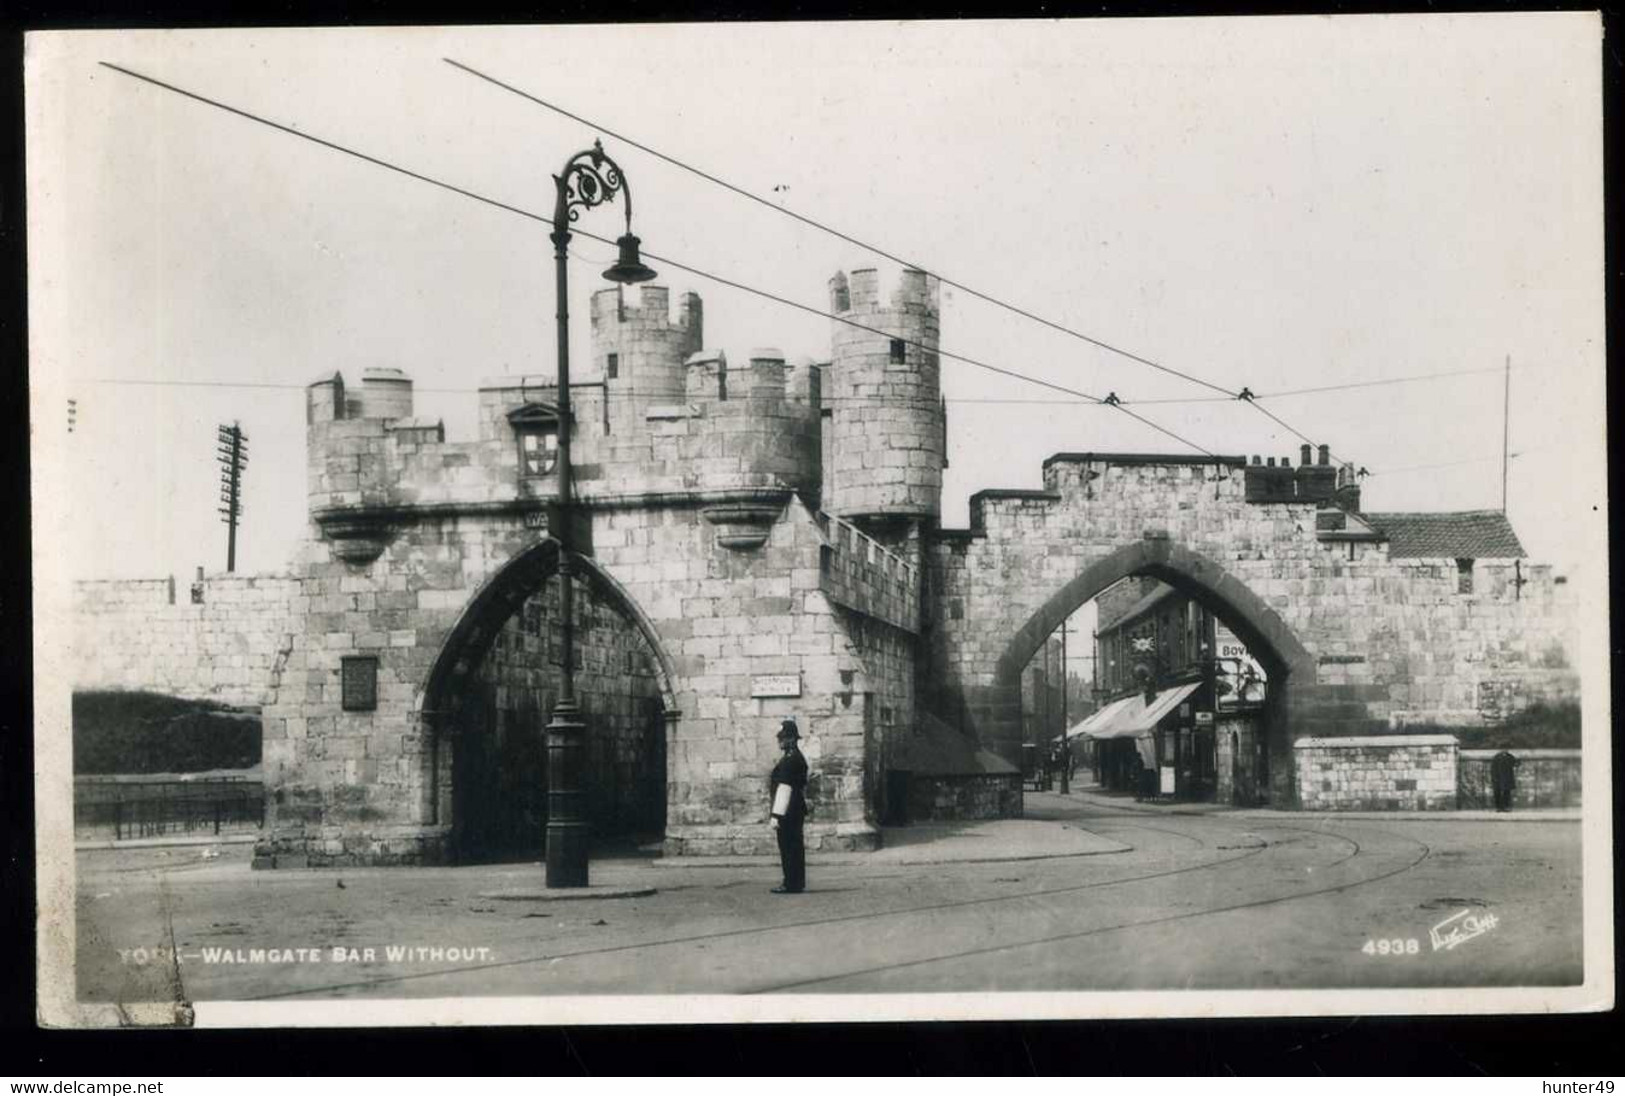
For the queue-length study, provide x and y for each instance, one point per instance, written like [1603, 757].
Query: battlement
[913, 291]
[720, 429]
[651, 310]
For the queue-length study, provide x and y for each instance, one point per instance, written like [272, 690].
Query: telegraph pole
[232, 453]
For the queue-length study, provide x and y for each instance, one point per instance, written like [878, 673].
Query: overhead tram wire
[1242, 395]
[667, 260]
[980, 400]
[837, 233]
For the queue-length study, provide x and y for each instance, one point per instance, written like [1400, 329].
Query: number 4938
[1396, 946]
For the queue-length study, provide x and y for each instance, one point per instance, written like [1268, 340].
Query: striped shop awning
[1131, 716]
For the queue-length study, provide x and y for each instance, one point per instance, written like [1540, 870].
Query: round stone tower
[885, 429]
[639, 351]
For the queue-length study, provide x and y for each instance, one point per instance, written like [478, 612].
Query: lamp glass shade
[629, 268]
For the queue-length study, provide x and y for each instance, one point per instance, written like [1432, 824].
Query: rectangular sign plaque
[766, 685]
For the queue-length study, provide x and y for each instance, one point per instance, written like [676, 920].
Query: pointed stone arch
[1290, 665]
[469, 640]
[501, 595]
[1259, 626]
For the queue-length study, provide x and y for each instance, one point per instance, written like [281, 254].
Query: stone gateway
[762, 540]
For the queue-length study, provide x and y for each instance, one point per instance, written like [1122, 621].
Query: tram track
[917, 909]
[1059, 938]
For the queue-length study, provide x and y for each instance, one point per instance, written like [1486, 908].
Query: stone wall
[1392, 772]
[889, 658]
[615, 685]
[953, 798]
[1544, 778]
[861, 574]
[150, 635]
[1354, 642]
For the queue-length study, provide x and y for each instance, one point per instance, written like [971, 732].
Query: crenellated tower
[639, 349]
[884, 424]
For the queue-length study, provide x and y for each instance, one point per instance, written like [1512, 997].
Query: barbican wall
[218, 638]
[1371, 643]
[766, 530]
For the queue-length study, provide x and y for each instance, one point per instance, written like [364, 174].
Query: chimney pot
[1325, 454]
[1303, 453]
[1270, 463]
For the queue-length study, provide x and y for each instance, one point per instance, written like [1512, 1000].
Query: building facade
[762, 540]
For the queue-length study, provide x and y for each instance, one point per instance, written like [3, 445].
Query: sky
[1281, 203]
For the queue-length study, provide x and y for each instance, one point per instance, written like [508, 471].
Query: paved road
[1200, 900]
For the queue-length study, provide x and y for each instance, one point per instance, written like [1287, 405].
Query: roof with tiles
[1465, 534]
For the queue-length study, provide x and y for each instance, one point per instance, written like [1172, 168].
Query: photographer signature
[1461, 927]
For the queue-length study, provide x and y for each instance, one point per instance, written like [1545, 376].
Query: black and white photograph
[1041, 519]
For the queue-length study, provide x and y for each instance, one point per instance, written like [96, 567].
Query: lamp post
[589, 178]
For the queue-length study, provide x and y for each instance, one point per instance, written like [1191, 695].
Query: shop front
[1163, 746]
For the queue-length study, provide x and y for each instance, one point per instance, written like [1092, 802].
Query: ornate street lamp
[589, 178]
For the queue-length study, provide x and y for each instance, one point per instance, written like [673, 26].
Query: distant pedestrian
[789, 810]
[1503, 778]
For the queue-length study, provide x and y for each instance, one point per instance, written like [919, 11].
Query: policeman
[789, 810]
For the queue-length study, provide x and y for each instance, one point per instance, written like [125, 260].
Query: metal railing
[121, 807]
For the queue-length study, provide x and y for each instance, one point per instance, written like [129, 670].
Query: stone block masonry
[887, 445]
[1354, 642]
[220, 638]
[857, 572]
[1383, 773]
[951, 798]
[766, 533]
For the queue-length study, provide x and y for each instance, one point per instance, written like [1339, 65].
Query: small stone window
[1464, 576]
[359, 678]
[612, 366]
[536, 428]
[898, 346]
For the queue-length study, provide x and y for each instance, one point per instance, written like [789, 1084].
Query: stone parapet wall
[1394, 772]
[858, 573]
[1543, 778]
[149, 635]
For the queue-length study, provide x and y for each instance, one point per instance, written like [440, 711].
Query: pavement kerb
[873, 859]
[166, 842]
[1544, 814]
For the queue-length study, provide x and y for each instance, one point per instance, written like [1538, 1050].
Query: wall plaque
[360, 684]
[765, 685]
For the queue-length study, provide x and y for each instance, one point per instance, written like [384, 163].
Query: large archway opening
[491, 694]
[1190, 681]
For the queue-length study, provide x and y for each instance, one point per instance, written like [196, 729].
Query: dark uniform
[1503, 777]
[791, 771]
